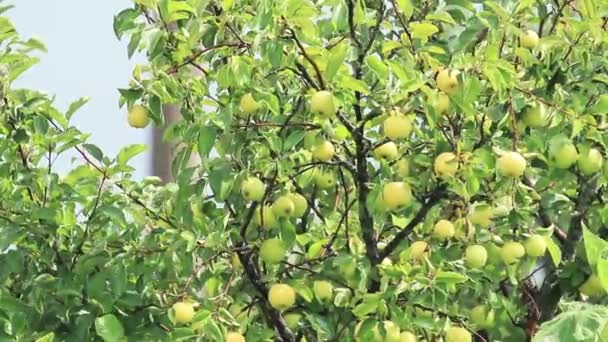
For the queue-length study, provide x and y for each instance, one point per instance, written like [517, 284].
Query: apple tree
[345, 170]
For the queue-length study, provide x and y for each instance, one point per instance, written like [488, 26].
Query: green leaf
[577, 322]
[594, 246]
[109, 328]
[206, 140]
[94, 151]
[554, 251]
[127, 153]
[368, 305]
[74, 106]
[602, 271]
[423, 30]
[375, 63]
[47, 338]
[406, 7]
[336, 59]
[450, 277]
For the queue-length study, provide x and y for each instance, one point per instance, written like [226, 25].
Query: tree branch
[432, 199]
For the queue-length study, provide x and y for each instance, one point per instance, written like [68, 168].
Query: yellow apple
[446, 164]
[292, 320]
[511, 164]
[283, 206]
[511, 252]
[397, 127]
[447, 81]
[325, 179]
[253, 189]
[457, 334]
[482, 316]
[591, 162]
[323, 290]
[265, 217]
[234, 337]
[442, 103]
[272, 251]
[387, 151]
[443, 230]
[249, 104]
[563, 153]
[536, 246]
[592, 287]
[300, 204]
[396, 195]
[529, 39]
[281, 296]
[138, 117]
[323, 102]
[402, 168]
[408, 336]
[481, 215]
[476, 256]
[323, 151]
[183, 312]
[535, 116]
[418, 250]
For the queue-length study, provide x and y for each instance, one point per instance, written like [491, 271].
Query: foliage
[94, 254]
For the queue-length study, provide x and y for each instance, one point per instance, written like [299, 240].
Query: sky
[84, 59]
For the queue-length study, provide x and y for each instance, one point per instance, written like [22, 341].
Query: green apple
[446, 164]
[590, 162]
[408, 336]
[529, 39]
[482, 316]
[457, 334]
[592, 287]
[511, 252]
[138, 117]
[418, 249]
[447, 81]
[511, 164]
[183, 312]
[481, 215]
[323, 151]
[393, 333]
[443, 230]
[323, 290]
[387, 151]
[442, 103]
[402, 168]
[283, 206]
[535, 116]
[325, 180]
[563, 153]
[272, 251]
[249, 104]
[397, 127]
[234, 337]
[300, 204]
[396, 195]
[535, 245]
[265, 217]
[475, 256]
[322, 102]
[292, 320]
[281, 296]
[253, 189]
